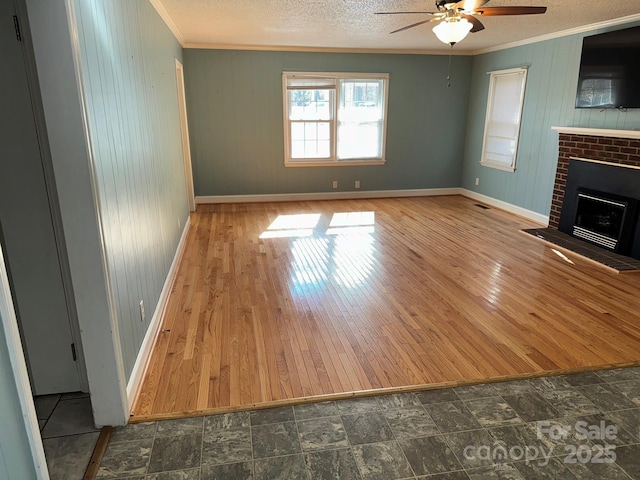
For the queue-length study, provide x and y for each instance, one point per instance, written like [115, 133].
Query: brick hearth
[614, 150]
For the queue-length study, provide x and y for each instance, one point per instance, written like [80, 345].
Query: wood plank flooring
[275, 302]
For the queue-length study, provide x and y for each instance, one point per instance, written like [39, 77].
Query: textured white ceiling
[352, 24]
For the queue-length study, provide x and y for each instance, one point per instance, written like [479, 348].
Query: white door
[29, 240]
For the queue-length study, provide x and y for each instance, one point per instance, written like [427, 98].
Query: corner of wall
[55, 48]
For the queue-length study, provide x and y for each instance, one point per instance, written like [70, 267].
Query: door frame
[184, 131]
[19, 368]
[28, 56]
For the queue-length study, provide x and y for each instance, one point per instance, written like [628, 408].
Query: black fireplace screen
[600, 219]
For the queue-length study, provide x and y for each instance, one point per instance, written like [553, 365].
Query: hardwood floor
[280, 301]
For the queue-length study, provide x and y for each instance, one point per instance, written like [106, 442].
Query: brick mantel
[616, 147]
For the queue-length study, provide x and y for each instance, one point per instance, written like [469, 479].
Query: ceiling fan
[457, 19]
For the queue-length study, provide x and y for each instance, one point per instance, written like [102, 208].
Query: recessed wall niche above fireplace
[597, 190]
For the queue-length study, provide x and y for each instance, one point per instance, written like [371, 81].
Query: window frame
[492, 95]
[333, 160]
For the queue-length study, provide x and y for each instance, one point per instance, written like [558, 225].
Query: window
[502, 124]
[334, 118]
[599, 86]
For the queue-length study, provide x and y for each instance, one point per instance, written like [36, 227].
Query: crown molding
[563, 33]
[290, 48]
[157, 4]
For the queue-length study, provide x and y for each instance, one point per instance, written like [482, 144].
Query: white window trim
[510, 71]
[334, 162]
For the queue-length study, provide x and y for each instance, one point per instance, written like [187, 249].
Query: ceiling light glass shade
[451, 32]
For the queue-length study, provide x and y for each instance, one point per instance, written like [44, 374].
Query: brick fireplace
[609, 146]
[596, 193]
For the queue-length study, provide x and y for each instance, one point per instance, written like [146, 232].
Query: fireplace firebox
[605, 219]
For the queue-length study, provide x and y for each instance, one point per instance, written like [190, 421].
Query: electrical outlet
[142, 315]
[477, 181]
[335, 184]
[357, 184]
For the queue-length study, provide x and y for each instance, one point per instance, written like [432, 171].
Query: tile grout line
[204, 419]
[346, 434]
[415, 475]
[253, 458]
[46, 420]
[302, 452]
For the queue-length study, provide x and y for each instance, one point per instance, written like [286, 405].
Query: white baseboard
[420, 192]
[291, 197]
[146, 349]
[516, 210]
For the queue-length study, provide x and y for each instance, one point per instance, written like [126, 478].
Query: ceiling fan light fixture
[452, 30]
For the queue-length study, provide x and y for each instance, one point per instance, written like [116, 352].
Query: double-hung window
[334, 118]
[502, 123]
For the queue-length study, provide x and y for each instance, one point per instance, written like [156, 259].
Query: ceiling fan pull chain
[449, 68]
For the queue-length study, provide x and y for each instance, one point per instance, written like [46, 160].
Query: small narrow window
[502, 123]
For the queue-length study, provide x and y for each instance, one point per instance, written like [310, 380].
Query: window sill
[504, 168]
[334, 163]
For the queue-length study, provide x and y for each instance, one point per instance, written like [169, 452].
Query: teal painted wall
[128, 63]
[549, 101]
[15, 453]
[234, 100]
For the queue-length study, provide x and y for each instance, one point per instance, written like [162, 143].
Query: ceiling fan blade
[407, 13]
[492, 11]
[415, 25]
[477, 24]
[470, 5]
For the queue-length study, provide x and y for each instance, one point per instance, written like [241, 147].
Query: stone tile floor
[583, 426]
[68, 433]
